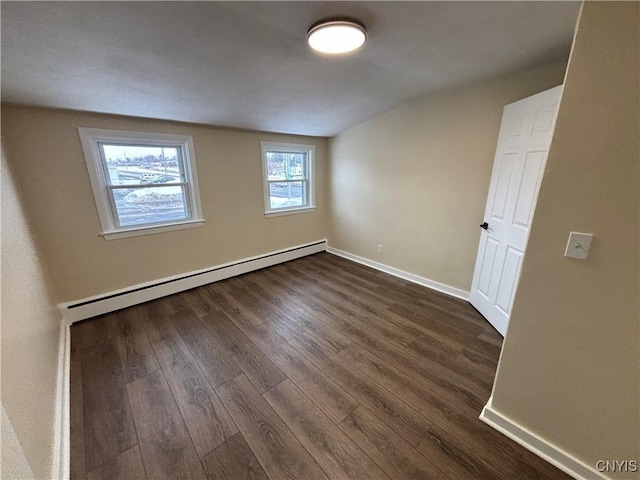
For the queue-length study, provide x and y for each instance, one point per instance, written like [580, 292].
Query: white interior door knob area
[523, 144]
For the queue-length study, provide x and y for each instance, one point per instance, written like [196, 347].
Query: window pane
[287, 194]
[133, 165]
[286, 166]
[143, 206]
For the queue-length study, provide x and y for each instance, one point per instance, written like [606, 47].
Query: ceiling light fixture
[336, 36]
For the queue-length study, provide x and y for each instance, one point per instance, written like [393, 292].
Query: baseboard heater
[144, 292]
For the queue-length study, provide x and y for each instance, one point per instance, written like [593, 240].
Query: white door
[523, 144]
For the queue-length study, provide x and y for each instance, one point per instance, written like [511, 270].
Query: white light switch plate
[578, 245]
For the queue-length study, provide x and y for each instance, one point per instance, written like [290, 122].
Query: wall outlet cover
[578, 245]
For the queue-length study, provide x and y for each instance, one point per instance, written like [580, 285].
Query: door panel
[543, 121]
[502, 185]
[521, 154]
[488, 261]
[516, 125]
[531, 177]
[510, 271]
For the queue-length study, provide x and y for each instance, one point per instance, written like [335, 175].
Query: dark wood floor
[317, 368]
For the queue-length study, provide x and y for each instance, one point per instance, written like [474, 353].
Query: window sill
[134, 232]
[292, 211]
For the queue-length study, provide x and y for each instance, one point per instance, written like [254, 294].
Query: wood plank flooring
[319, 368]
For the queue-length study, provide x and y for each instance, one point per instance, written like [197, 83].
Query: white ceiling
[246, 64]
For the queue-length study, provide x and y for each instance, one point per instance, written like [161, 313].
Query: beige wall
[46, 155]
[570, 364]
[14, 464]
[30, 339]
[416, 179]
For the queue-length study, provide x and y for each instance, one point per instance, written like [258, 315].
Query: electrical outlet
[379, 250]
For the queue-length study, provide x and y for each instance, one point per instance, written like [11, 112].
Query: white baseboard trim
[425, 282]
[143, 292]
[60, 467]
[539, 446]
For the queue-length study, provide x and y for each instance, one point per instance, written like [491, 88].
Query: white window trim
[91, 137]
[310, 150]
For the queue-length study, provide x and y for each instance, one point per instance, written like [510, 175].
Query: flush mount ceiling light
[336, 36]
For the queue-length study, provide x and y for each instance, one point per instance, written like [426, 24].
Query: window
[288, 178]
[142, 182]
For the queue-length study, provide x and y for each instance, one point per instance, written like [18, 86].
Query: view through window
[146, 183]
[288, 177]
[142, 182]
